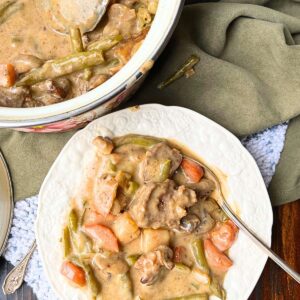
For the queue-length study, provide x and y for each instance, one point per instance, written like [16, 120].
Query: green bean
[66, 240]
[198, 252]
[105, 43]
[132, 188]
[126, 286]
[165, 170]
[106, 68]
[73, 221]
[88, 74]
[62, 66]
[182, 267]
[132, 259]
[76, 39]
[138, 140]
[192, 297]
[216, 289]
[91, 279]
[188, 65]
[8, 8]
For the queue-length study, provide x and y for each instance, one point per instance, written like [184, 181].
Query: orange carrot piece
[93, 218]
[216, 260]
[224, 235]
[193, 171]
[7, 75]
[73, 273]
[104, 235]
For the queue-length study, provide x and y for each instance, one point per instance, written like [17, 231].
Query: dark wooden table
[274, 284]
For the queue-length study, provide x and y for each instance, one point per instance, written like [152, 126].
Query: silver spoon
[250, 234]
[15, 277]
[60, 15]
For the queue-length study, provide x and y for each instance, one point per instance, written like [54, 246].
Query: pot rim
[131, 72]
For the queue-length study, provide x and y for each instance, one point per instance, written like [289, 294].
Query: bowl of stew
[51, 82]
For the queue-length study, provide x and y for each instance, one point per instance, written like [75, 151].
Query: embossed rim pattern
[248, 194]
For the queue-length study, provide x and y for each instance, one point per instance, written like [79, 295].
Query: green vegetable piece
[111, 168]
[182, 267]
[188, 65]
[139, 140]
[62, 66]
[106, 68]
[105, 43]
[216, 289]
[66, 240]
[76, 39]
[8, 8]
[73, 221]
[198, 252]
[126, 286]
[88, 74]
[132, 259]
[91, 279]
[132, 188]
[165, 170]
[192, 297]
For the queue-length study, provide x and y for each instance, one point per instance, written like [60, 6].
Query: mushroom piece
[189, 223]
[24, 63]
[103, 144]
[192, 223]
[207, 223]
[151, 263]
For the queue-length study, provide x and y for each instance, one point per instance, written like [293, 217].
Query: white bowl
[79, 111]
[219, 148]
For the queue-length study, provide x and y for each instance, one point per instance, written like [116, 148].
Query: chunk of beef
[121, 20]
[161, 205]
[203, 188]
[150, 264]
[155, 158]
[105, 191]
[14, 97]
[51, 91]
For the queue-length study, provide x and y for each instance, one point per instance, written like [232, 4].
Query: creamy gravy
[129, 157]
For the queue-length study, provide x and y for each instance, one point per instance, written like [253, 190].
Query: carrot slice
[216, 260]
[224, 235]
[104, 236]
[93, 218]
[73, 273]
[193, 171]
[7, 75]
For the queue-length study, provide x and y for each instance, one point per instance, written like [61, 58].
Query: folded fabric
[248, 79]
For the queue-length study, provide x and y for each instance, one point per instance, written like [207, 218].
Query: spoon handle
[15, 277]
[257, 241]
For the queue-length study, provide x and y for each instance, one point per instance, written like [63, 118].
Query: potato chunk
[153, 238]
[125, 228]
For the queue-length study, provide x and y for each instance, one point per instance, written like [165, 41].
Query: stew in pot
[40, 66]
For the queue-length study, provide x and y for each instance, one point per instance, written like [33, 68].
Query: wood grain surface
[274, 284]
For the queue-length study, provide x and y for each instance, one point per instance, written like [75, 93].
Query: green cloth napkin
[248, 79]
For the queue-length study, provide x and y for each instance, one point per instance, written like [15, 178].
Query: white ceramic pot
[81, 110]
